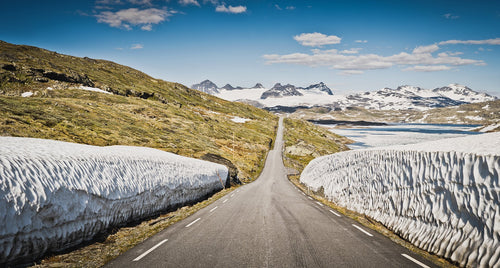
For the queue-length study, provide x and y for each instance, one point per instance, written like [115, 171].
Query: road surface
[268, 223]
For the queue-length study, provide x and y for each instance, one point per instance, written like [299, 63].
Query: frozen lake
[400, 134]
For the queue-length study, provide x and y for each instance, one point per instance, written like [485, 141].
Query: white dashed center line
[415, 261]
[335, 213]
[319, 203]
[309, 197]
[193, 222]
[359, 228]
[149, 251]
[213, 209]
[224, 201]
[232, 195]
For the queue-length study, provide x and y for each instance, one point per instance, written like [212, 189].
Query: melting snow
[54, 195]
[238, 119]
[475, 118]
[94, 89]
[442, 196]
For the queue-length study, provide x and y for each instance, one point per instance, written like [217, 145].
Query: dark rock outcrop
[69, 78]
[233, 171]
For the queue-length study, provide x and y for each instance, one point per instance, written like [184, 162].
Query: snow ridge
[443, 200]
[54, 195]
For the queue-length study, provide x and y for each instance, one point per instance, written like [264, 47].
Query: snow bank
[54, 195]
[443, 196]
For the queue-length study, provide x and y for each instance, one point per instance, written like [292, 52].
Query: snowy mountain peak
[462, 93]
[206, 86]
[258, 86]
[279, 91]
[228, 87]
[321, 87]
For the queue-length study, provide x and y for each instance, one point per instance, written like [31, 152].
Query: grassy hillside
[305, 141]
[142, 111]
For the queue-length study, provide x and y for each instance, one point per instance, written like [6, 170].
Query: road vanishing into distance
[268, 223]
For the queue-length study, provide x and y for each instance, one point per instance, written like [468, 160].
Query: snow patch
[54, 195]
[27, 94]
[489, 128]
[238, 119]
[474, 118]
[94, 89]
[442, 196]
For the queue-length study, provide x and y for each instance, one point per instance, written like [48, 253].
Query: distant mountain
[206, 86]
[258, 86]
[228, 87]
[281, 91]
[410, 97]
[462, 93]
[321, 87]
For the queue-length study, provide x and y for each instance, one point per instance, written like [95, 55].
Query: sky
[351, 45]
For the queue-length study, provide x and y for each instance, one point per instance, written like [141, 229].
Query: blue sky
[350, 45]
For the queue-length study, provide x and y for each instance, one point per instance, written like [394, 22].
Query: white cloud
[231, 9]
[141, 2]
[108, 2]
[133, 16]
[137, 46]
[147, 27]
[495, 41]
[451, 16]
[351, 72]
[290, 7]
[277, 7]
[351, 51]
[213, 2]
[361, 41]
[316, 39]
[426, 49]
[421, 56]
[428, 68]
[189, 2]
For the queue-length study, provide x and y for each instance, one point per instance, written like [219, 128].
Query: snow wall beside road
[443, 196]
[54, 195]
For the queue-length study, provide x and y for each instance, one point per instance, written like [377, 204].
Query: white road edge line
[149, 251]
[359, 228]
[415, 261]
[213, 209]
[224, 201]
[303, 193]
[335, 213]
[319, 203]
[193, 222]
[309, 197]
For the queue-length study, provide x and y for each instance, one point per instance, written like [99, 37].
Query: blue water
[400, 134]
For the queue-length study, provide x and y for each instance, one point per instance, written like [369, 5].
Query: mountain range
[277, 91]
[402, 98]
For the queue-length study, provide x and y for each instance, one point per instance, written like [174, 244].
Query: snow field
[54, 195]
[442, 196]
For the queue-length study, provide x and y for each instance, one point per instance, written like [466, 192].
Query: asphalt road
[268, 223]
